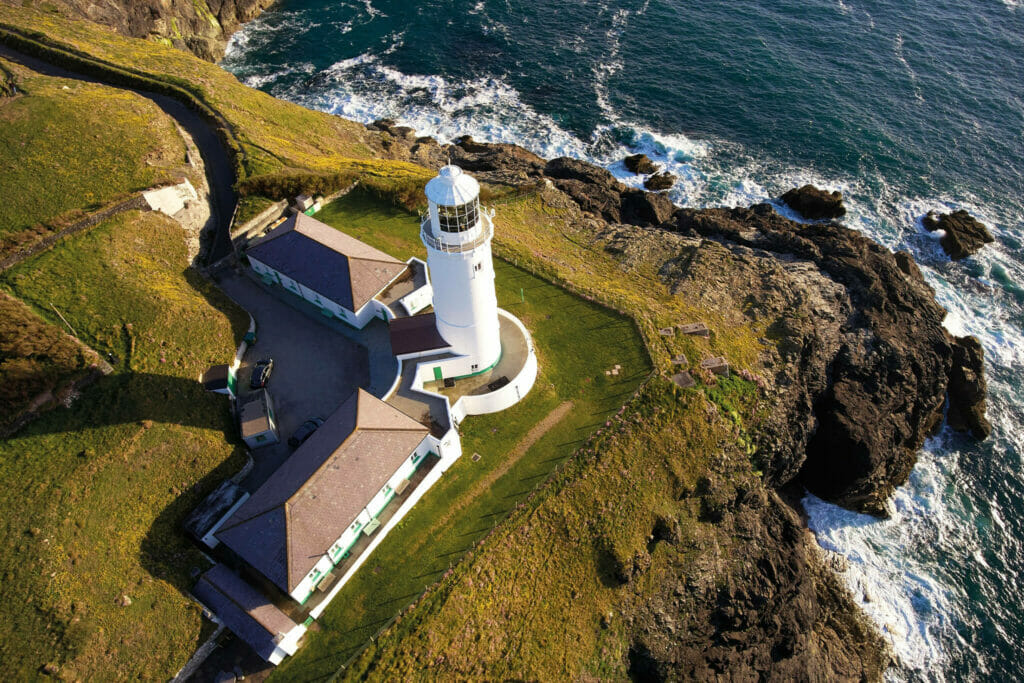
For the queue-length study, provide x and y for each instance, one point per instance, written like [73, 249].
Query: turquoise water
[905, 106]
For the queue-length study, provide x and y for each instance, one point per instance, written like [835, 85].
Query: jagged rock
[968, 389]
[965, 235]
[640, 164]
[908, 265]
[567, 168]
[202, 28]
[124, 601]
[597, 191]
[496, 162]
[862, 351]
[646, 208]
[660, 181]
[776, 617]
[815, 204]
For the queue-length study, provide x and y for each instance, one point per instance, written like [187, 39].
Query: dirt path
[513, 456]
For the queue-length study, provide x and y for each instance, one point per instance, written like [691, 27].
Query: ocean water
[904, 106]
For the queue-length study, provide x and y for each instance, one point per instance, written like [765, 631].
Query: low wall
[262, 220]
[511, 393]
[137, 202]
[506, 397]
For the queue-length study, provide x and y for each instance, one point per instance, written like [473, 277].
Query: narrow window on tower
[478, 266]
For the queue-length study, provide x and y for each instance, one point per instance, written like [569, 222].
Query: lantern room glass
[458, 218]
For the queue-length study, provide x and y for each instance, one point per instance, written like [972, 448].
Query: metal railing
[486, 233]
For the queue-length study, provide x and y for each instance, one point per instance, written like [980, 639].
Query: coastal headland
[669, 543]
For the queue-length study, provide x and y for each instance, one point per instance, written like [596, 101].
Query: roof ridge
[228, 526]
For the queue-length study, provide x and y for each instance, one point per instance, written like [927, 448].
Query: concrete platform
[515, 349]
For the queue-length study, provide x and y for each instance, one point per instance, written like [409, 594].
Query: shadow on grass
[161, 552]
[143, 397]
[410, 596]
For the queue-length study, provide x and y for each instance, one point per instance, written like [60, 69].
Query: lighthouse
[457, 234]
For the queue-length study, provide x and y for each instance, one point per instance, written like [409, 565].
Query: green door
[437, 373]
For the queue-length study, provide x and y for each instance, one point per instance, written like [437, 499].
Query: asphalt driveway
[315, 366]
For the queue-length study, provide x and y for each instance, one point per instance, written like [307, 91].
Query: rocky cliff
[201, 27]
[856, 357]
[857, 367]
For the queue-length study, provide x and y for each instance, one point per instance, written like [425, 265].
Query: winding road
[220, 173]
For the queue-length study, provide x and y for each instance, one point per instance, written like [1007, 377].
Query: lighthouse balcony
[497, 387]
[454, 246]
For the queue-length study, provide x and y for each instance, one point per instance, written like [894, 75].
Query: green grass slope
[275, 136]
[532, 602]
[67, 147]
[92, 497]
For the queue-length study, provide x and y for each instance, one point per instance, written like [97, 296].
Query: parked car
[261, 373]
[305, 431]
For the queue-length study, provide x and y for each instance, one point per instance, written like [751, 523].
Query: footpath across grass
[68, 147]
[94, 564]
[577, 342]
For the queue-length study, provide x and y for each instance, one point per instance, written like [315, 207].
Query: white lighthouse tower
[457, 234]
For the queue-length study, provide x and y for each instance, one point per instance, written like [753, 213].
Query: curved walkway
[220, 174]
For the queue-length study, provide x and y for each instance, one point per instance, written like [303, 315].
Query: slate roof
[243, 609]
[254, 417]
[326, 260]
[216, 377]
[416, 333]
[290, 522]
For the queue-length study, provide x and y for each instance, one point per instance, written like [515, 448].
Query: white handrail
[433, 243]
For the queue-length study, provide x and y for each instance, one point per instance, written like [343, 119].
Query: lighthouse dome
[452, 187]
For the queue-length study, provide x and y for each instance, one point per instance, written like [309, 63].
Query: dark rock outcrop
[968, 389]
[660, 181]
[502, 163]
[965, 234]
[594, 189]
[639, 163]
[815, 204]
[645, 208]
[863, 359]
[201, 27]
[781, 615]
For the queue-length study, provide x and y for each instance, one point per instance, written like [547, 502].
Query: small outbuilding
[220, 379]
[257, 422]
[248, 613]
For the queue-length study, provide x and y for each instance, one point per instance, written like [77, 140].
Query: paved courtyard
[316, 365]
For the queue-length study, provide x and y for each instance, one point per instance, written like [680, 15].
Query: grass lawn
[68, 147]
[276, 135]
[92, 497]
[577, 341]
[541, 599]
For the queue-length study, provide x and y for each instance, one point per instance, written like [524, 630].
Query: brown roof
[288, 524]
[326, 260]
[246, 611]
[254, 416]
[415, 333]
